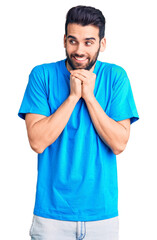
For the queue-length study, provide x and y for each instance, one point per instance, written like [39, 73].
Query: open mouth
[80, 59]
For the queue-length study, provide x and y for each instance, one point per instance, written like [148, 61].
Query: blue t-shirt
[77, 174]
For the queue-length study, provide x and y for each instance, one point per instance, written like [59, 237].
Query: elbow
[119, 149]
[120, 144]
[37, 150]
[36, 147]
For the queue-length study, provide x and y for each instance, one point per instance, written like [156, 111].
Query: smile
[80, 59]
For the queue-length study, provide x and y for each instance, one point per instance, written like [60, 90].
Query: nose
[80, 49]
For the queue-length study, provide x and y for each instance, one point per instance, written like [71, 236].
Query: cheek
[69, 49]
[93, 50]
[92, 53]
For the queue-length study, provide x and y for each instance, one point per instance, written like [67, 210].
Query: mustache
[77, 55]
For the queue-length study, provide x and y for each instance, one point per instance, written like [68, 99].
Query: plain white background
[31, 34]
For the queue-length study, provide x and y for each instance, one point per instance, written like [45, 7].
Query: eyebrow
[91, 38]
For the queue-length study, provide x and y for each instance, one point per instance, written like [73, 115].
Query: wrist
[89, 98]
[73, 98]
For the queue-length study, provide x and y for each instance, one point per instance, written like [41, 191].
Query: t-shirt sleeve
[122, 103]
[35, 98]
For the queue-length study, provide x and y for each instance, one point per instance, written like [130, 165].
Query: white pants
[51, 229]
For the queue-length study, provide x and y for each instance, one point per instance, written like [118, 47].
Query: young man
[78, 113]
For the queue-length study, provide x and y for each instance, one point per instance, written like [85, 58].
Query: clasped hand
[85, 81]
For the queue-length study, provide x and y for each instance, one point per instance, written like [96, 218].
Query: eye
[72, 41]
[88, 43]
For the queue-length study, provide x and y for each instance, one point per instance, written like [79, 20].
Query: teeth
[80, 59]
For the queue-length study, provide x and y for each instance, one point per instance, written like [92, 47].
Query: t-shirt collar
[68, 73]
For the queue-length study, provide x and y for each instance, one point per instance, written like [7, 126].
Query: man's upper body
[78, 113]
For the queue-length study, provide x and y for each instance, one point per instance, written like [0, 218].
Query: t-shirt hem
[133, 118]
[68, 217]
[22, 114]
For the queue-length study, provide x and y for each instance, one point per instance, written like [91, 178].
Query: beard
[88, 66]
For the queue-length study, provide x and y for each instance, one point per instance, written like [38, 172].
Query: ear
[102, 44]
[64, 41]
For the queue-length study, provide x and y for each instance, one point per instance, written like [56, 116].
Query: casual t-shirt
[77, 174]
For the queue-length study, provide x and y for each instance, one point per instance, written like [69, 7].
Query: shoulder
[111, 67]
[43, 71]
[116, 73]
[43, 68]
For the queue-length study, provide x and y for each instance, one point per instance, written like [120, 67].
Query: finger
[82, 72]
[79, 76]
[75, 78]
[79, 70]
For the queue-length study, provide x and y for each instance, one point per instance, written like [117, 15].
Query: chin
[78, 66]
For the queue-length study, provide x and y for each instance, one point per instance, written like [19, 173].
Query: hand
[75, 87]
[87, 79]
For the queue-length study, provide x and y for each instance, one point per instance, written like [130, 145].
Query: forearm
[111, 132]
[47, 130]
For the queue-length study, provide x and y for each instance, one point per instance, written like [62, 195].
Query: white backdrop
[31, 34]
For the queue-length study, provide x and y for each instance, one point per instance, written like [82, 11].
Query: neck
[68, 66]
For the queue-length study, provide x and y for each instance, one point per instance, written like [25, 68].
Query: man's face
[82, 46]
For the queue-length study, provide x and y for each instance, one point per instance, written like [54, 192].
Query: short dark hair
[84, 16]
